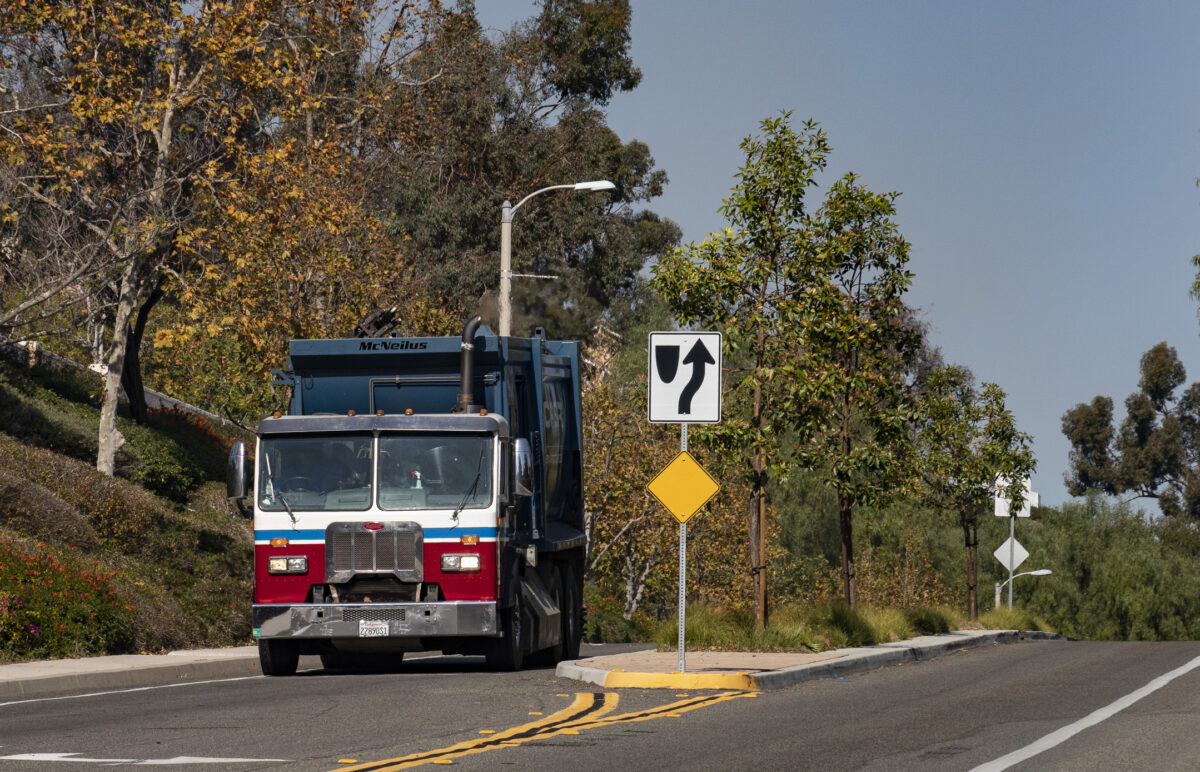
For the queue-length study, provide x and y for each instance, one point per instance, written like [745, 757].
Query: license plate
[372, 629]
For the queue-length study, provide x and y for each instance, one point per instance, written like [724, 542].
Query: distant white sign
[685, 377]
[1031, 500]
[1011, 549]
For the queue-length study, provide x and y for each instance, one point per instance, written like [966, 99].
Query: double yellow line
[586, 711]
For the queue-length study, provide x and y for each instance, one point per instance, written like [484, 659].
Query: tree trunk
[846, 515]
[757, 544]
[849, 581]
[758, 492]
[971, 541]
[109, 439]
[131, 373]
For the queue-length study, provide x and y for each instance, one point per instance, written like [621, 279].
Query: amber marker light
[279, 542]
[408, 411]
[468, 539]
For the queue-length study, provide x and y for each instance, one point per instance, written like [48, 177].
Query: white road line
[172, 686]
[125, 691]
[1093, 718]
[174, 761]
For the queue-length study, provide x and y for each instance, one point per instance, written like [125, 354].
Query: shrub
[160, 465]
[857, 630]
[53, 607]
[31, 509]
[931, 621]
[1011, 619]
[887, 624]
[604, 620]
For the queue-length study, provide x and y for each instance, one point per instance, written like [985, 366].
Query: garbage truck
[419, 494]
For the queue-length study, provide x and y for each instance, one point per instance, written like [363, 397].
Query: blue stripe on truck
[319, 535]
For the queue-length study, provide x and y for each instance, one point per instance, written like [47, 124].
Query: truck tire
[505, 653]
[278, 658]
[572, 612]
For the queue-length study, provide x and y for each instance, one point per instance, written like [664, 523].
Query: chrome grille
[394, 549]
[381, 614]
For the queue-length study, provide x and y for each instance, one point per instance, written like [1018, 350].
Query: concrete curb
[26, 680]
[887, 654]
[838, 663]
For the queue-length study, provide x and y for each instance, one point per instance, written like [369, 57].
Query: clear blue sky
[1047, 156]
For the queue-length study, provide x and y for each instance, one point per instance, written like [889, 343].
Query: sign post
[1011, 554]
[683, 487]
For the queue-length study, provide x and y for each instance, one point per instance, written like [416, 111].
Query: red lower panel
[287, 588]
[293, 588]
[480, 586]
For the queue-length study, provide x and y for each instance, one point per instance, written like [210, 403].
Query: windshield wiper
[470, 491]
[275, 488]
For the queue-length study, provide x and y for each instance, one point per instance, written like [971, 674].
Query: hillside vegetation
[148, 560]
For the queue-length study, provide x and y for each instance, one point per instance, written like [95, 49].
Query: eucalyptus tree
[749, 280]
[500, 115]
[1155, 453]
[858, 346]
[969, 452]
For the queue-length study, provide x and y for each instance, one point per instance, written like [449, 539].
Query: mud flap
[540, 607]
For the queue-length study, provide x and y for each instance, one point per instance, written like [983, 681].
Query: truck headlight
[460, 564]
[287, 565]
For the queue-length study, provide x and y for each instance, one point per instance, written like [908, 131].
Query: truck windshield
[426, 471]
[311, 472]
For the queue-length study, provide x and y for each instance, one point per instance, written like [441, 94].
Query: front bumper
[404, 620]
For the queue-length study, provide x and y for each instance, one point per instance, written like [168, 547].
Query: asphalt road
[952, 713]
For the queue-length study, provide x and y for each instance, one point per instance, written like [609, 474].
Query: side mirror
[237, 473]
[522, 467]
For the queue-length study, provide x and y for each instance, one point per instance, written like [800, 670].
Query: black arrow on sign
[699, 358]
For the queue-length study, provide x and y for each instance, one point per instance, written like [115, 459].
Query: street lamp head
[595, 185]
[1041, 572]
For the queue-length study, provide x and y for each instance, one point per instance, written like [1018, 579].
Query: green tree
[1155, 453]
[750, 280]
[858, 344]
[497, 118]
[969, 452]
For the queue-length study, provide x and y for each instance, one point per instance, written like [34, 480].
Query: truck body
[419, 494]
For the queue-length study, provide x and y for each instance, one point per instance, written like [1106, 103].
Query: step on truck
[420, 494]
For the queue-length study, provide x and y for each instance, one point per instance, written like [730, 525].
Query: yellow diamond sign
[683, 487]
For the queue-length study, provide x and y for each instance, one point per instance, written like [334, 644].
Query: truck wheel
[278, 658]
[572, 613]
[505, 653]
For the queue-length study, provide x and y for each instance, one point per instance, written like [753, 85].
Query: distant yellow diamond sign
[683, 487]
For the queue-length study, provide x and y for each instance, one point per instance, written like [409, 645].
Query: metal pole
[506, 212]
[683, 446]
[997, 603]
[1012, 554]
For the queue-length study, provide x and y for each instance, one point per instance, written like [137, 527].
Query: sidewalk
[647, 669]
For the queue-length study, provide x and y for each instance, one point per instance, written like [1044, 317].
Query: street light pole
[1009, 582]
[507, 210]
